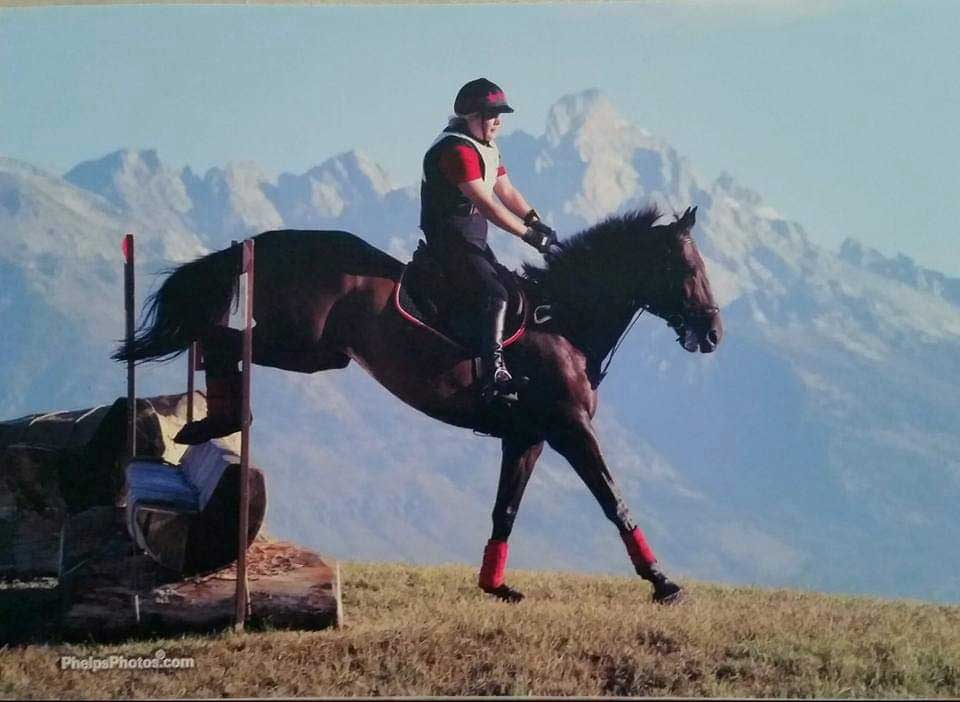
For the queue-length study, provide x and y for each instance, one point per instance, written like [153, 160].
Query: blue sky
[842, 115]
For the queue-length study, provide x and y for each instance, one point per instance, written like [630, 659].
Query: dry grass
[429, 631]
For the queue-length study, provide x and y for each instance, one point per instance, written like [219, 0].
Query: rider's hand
[540, 236]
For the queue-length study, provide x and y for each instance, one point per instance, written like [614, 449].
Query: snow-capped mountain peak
[585, 112]
[132, 180]
[353, 169]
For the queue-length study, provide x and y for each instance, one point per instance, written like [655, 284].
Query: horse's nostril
[713, 337]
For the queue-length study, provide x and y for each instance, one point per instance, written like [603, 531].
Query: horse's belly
[423, 372]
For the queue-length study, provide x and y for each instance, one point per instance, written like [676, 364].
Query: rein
[616, 347]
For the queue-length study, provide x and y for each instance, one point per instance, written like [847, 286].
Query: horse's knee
[503, 522]
[620, 516]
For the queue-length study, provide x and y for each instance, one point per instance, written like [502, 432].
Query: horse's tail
[193, 298]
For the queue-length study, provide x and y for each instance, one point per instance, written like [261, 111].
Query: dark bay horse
[323, 299]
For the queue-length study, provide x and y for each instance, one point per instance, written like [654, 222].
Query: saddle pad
[408, 309]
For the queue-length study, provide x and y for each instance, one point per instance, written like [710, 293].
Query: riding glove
[540, 236]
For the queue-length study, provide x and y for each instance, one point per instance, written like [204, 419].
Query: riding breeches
[474, 272]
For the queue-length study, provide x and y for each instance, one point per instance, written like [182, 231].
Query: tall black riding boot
[497, 381]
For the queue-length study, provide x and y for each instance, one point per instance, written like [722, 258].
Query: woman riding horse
[326, 298]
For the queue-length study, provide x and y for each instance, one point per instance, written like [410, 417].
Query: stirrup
[492, 391]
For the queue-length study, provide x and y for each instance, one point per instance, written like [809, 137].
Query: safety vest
[447, 216]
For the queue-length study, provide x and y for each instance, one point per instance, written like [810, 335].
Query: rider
[462, 171]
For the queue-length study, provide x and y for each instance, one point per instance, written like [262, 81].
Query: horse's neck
[594, 327]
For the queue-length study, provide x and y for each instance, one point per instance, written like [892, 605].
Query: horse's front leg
[516, 466]
[577, 441]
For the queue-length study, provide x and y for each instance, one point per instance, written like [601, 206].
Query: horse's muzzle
[703, 336]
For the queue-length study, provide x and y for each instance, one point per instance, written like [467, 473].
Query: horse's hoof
[505, 593]
[204, 430]
[668, 594]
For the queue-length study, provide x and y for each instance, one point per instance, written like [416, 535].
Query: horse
[326, 298]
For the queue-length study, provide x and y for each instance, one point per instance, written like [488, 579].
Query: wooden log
[200, 542]
[106, 586]
[57, 463]
[31, 509]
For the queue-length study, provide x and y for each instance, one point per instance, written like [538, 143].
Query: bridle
[678, 321]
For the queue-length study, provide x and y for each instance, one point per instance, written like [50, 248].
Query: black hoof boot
[205, 429]
[665, 591]
[505, 593]
[668, 594]
[223, 412]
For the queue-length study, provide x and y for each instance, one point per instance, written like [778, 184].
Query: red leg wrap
[494, 564]
[640, 552]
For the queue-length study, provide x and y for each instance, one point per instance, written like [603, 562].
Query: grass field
[429, 631]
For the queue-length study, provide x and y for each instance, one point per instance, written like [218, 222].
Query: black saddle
[425, 296]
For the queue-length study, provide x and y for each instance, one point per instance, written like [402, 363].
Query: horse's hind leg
[519, 458]
[222, 348]
[577, 442]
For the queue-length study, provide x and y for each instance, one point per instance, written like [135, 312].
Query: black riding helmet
[483, 96]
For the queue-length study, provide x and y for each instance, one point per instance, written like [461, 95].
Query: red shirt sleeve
[460, 164]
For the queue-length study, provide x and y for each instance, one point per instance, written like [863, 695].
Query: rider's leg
[496, 377]
[492, 298]
[474, 271]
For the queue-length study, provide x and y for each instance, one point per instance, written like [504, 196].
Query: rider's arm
[510, 196]
[492, 209]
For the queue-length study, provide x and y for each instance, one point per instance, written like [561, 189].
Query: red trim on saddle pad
[494, 564]
[413, 320]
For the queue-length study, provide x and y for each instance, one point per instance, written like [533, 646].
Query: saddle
[427, 298]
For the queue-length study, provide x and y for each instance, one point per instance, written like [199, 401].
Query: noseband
[678, 321]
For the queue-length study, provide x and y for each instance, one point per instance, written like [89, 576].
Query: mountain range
[816, 448]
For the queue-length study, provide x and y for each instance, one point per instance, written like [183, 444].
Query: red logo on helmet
[495, 98]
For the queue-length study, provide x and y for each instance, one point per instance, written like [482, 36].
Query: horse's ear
[686, 222]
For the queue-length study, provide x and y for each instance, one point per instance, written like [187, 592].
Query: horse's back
[289, 251]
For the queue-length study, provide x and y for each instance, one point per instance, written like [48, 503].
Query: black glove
[540, 236]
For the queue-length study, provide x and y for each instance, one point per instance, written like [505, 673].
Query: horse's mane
[591, 257]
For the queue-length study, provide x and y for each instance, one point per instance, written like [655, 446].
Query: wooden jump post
[242, 604]
[130, 309]
[242, 601]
